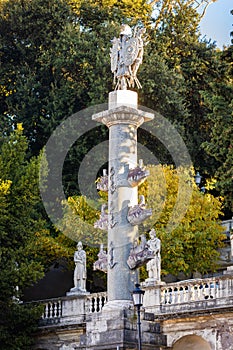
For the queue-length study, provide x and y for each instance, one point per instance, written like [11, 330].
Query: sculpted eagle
[126, 57]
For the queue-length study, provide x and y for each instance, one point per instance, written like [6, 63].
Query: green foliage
[191, 236]
[55, 61]
[78, 221]
[219, 146]
[18, 324]
[19, 221]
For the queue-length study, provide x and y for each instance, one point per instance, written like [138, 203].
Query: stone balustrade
[196, 294]
[52, 309]
[95, 302]
[184, 296]
[194, 290]
[68, 309]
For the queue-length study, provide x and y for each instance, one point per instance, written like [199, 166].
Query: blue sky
[217, 22]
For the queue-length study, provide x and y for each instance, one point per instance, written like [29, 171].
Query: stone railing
[196, 294]
[95, 302]
[52, 309]
[72, 309]
[184, 296]
[187, 291]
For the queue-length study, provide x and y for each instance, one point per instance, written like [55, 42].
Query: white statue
[154, 265]
[80, 273]
[126, 57]
[231, 238]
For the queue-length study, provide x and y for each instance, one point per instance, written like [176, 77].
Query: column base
[115, 305]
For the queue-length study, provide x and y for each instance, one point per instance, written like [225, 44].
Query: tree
[186, 220]
[19, 222]
[26, 245]
[220, 145]
[220, 118]
[190, 66]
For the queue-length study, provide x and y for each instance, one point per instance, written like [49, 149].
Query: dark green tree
[219, 146]
[189, 67]
[19, 222]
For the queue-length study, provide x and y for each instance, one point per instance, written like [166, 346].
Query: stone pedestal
[118, 330]
[77, 291]
[228, 271]
[152, 296]
[122, 118]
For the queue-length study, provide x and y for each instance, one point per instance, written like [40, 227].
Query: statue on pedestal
[80, 273]
[154, 265]
[126, 57]
[231, 240]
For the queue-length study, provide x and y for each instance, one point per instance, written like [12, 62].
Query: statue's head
[79, 245]
[125, 30]
[152, 233]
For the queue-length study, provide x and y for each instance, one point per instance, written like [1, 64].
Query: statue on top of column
[126, 57]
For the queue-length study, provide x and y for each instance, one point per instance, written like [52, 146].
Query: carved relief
[140, 253]
[138, 175]
[102, 262]
[102, 182]
[112, 180]
[138, 213]
[102, 223]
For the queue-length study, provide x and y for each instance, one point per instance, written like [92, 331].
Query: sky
[218, 22]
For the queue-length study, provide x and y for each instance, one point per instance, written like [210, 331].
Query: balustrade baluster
[95, 304]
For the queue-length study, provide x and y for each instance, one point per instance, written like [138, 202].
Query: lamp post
[198, 178]
[138, 302]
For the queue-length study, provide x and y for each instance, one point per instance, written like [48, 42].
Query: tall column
[122, 118]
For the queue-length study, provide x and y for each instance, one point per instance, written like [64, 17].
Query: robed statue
[126, 57]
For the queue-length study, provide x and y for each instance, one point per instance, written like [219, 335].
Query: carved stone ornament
[140, 253]
[102, 182]
[112, 263]
[102, 223]
[112, 221]
[126, 57]
[138, 213]
[137, 175]
[102, 262]
[112, 187]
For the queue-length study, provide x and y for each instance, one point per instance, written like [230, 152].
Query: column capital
[123, 115]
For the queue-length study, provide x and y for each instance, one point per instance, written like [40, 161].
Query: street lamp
[197, 178]
[138, 302]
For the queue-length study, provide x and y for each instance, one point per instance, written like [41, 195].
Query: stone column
[122, 118]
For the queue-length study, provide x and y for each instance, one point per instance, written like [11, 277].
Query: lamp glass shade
[138, 295]
[197, 178]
